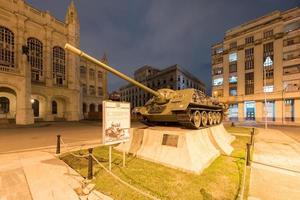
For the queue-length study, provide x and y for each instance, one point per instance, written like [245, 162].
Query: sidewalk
[275, 169]
[39, 175]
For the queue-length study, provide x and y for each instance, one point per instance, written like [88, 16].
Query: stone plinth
[188, 150]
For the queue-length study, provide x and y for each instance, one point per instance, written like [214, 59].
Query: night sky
[159, 33]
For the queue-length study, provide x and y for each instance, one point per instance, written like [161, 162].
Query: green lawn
[221, 180]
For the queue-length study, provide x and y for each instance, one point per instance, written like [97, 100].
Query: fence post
[252, 135]
[90, 164]
[58, 145]
[248, 154]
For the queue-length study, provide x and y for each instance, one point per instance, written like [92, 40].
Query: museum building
[173, 77]
[258, 62]
[39, 80]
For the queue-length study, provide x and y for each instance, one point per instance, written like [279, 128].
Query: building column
[73, 112]
[49, 116]
[279, 112]
[24, 112]
[241, 111]
[259, 111]
[297, 110]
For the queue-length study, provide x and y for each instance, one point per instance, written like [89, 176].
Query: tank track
[184, 119]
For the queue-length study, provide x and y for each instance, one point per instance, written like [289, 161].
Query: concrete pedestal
[188, 150]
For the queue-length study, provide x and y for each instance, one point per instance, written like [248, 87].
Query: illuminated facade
[39, 80]
[173, 77]
[258, 58]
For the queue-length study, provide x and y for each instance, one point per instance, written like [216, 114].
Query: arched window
[54, 107]
[59, 65]
[92, 108]
[36, 107]
[84, 108]
[4, 105]
[35, 58]
[7, 45]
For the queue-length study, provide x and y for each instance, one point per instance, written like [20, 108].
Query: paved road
[14, 139]
[275, 170]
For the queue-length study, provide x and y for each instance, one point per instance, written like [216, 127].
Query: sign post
[116, 125]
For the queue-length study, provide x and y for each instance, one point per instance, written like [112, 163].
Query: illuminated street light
[268, 62]
[32, 100]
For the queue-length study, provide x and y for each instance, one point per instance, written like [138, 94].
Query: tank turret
[189, 107]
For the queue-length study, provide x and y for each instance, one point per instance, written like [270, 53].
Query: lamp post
[265, 91]
[283, 103]
[268, 62]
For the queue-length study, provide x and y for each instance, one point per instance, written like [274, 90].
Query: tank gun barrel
[110, 69]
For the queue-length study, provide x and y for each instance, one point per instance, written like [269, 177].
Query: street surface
[275, 166]
[15, 139]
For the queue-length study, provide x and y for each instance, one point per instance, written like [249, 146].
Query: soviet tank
[188, 107]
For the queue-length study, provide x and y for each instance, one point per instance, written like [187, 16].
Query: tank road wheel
[214, 117]
[204, 118]
[210, 118]
[197, 119]
[218, 117]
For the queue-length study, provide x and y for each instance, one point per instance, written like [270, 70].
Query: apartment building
[173, 77]
[256, 69]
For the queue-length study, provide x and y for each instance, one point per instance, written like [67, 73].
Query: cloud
[159, 33]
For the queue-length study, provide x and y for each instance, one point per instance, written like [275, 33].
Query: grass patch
[221, 180]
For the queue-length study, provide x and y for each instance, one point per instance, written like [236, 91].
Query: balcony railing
[7, 69]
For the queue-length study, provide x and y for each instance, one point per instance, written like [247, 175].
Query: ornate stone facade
[39, 80]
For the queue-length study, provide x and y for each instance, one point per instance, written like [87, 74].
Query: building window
[233, 57]
[84, 89]
[233, 45]
[83, 108]
[268, 34]
[217, 70]
[291, 55]
[92, 90]
[232, 67]
[7, 45]
[233, 112]
[289, 111]
[268, 60]
[100, 91]
[100, 75]
[233, 79]
[294, 69]
[92, 74]
[291, 26]
[268, 88]
[92, 108]
[249, 40]
[291, 41]
[54, 107]
[249, 83]
[270, 106]
[249, 58]
[233, 90]
[4, 105]
[35, 58]
[292, 86]
[218, 81]
[82, 71]
[59, 65]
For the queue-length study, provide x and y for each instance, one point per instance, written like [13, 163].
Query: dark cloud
[159, 33]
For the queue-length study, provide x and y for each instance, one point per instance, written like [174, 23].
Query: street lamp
[283, 103]
[268, 62]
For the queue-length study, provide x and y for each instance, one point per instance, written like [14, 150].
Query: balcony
[7, 69]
